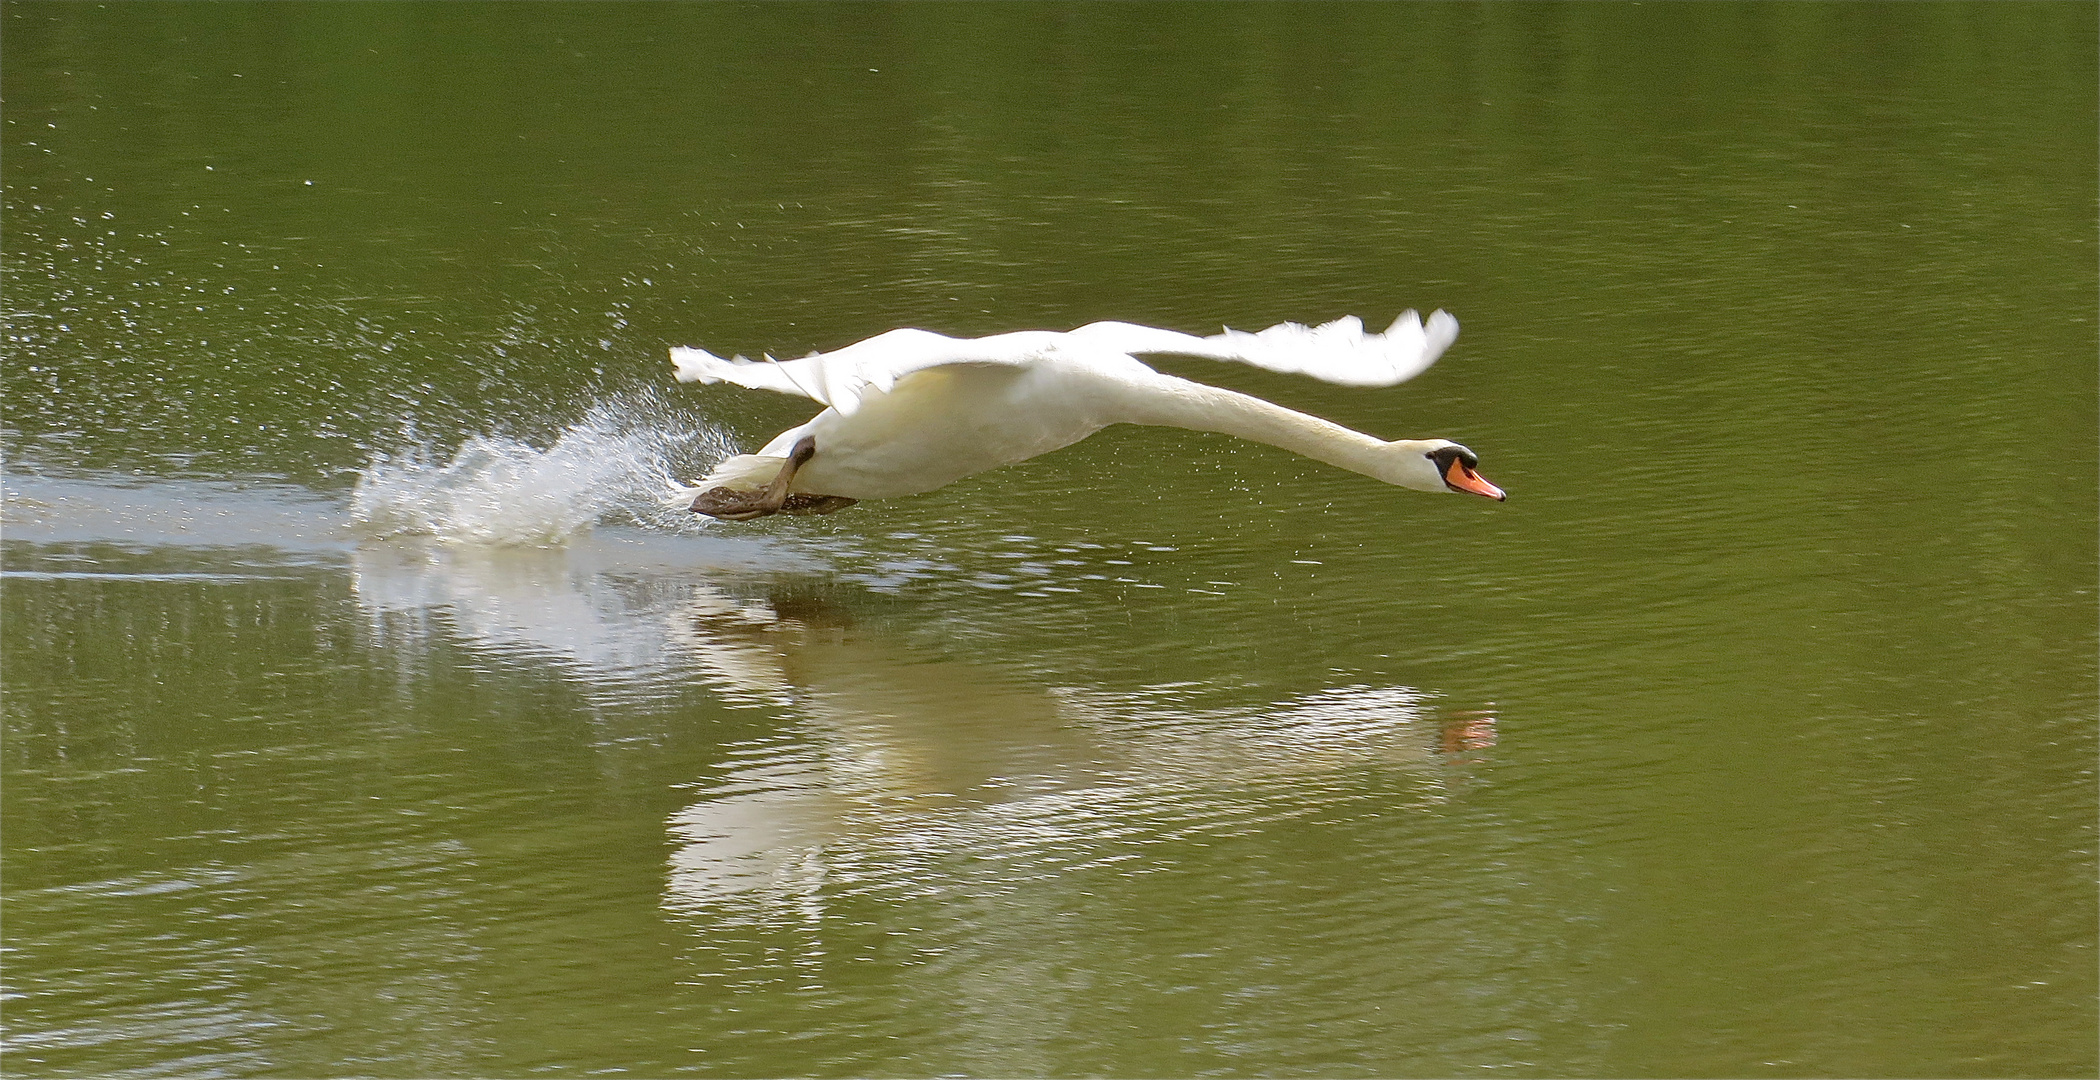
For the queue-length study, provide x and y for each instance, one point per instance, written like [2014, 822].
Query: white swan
[909, 410]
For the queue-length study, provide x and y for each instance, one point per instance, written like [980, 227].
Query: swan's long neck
[1175, 402]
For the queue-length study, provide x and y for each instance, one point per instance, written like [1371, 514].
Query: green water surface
[1753, 736]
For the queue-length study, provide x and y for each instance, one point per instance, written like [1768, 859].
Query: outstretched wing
[1338, 352]
[842, 377]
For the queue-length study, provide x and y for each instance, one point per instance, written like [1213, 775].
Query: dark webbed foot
[732, 505]
[749, 505]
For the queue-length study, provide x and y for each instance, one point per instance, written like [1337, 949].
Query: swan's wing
[1338, 352]
[840, 378]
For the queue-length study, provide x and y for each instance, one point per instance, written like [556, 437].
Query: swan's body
[909, 411]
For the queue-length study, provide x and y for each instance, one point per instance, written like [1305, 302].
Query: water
[367, 714]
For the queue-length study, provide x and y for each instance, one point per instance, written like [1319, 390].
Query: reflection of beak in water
[1467, 730]
[926, 773]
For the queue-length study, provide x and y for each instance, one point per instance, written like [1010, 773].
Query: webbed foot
[730, 505]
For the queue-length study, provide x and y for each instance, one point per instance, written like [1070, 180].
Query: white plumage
[908, 411]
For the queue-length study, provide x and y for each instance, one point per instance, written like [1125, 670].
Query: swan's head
[1443, 465]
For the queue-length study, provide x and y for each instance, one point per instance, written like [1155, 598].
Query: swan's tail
[744, 472]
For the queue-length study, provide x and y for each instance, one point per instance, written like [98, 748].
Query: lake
[367, 714]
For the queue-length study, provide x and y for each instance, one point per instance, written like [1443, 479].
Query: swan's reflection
[933, 778]
[893, 772]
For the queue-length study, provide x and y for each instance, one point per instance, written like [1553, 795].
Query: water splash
[614, 464]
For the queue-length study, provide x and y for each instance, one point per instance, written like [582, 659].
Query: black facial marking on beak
[1445, 455]
[1458, 466]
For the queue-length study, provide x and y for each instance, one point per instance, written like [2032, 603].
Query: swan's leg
[748, 505]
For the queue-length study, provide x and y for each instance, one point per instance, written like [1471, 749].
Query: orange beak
[1464, 479]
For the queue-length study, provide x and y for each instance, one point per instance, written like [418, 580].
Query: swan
[908, 411]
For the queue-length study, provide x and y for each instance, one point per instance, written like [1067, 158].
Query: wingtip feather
[1439, 332]
[696, 365]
